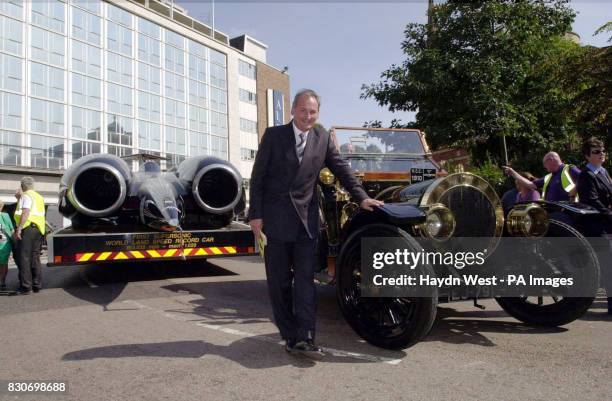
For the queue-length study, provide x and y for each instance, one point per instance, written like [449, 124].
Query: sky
[336, 47]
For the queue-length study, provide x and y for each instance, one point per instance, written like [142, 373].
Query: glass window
[119, 38]
[197, 68]
[149, 78]
[86, 59]
[248, 126]
[218, 123]
[120, 151]
[198, 143]
[89, 5]
[174, 113]
[86, 91]
[119, 99]
[46, 117]
[149, 135]
[149, 49]
[86, 26]
[218, 147]
[198, 93]
[175, 39]
[246, 69]
[46, 153]
[10, 73]
[149, 106]
[174, 86]
[174, 59]
[10, 148]
[217, 57]
[247, 96]
[119, 15]
[80, 149]
[198, 119]
[86, 124]
[217, 76]
[175, 140]
[48, 47]
[49, 14]
[119, 69]
[149, 28]
[197, 49]
[10, 110]
[120, 130]
[12, 8]
[47, 82]
[247, 154]
[218, 100]
[172, 161]
[11, 35]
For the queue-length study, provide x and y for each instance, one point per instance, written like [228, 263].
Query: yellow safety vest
[566, 181]
[37, 213]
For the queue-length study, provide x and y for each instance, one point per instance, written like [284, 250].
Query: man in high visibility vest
[558, 185]
[30, 229]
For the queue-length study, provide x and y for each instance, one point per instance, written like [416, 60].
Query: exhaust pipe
[217, 188]
[97, 189]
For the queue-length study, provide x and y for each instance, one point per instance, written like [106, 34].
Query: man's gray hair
[27, 183]
[306, 92]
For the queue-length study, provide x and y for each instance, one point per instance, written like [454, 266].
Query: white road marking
[267, 339]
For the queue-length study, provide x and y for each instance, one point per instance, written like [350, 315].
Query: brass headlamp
[528, 220]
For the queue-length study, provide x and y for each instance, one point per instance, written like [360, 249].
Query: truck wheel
[538, 312]
[393, 323]
[556, 311]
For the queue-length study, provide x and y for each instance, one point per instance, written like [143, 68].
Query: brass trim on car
[528, 220]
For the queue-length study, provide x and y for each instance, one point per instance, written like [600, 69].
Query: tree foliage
[484, 70]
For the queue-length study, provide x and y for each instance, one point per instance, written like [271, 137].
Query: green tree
[485, 70]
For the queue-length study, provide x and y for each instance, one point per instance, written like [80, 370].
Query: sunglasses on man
[597, 151]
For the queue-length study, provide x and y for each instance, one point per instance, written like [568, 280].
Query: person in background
[30, 221]
[6, 244]
[595, 190]
[526, 193]
[556, 186]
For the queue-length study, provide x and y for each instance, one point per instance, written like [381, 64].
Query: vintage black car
[422, 201]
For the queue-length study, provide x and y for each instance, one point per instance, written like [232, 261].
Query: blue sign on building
[278, 107]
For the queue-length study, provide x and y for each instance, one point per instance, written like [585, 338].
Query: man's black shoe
[22, 291]
[309, 349]
[36, 290]
[609, 305]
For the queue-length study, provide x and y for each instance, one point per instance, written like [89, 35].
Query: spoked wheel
[393, 323]
[545, 311]
[554, 311]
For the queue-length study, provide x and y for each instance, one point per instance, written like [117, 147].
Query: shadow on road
[458, 327]
[256, 352]
[106, 282]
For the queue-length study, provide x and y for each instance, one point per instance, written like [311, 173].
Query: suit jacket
[596, 191]
[283, 191]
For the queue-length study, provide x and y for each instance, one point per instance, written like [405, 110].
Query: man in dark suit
[595, 189]
[284, 204]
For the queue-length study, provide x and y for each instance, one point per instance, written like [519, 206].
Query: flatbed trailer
[70, 246]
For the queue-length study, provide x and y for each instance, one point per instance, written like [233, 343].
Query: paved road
[202, 331]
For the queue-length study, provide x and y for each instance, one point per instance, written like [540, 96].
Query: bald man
[558, 185]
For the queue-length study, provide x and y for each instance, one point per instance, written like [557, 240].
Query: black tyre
[393, 323]
[555, 311]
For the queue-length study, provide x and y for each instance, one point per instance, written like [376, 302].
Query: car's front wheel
[393, 323]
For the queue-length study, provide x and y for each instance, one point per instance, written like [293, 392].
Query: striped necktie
[299, 148]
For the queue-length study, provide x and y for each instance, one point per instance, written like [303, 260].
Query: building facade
[130, 78]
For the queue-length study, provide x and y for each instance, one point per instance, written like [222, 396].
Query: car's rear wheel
[393, 323]
[556, 311]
